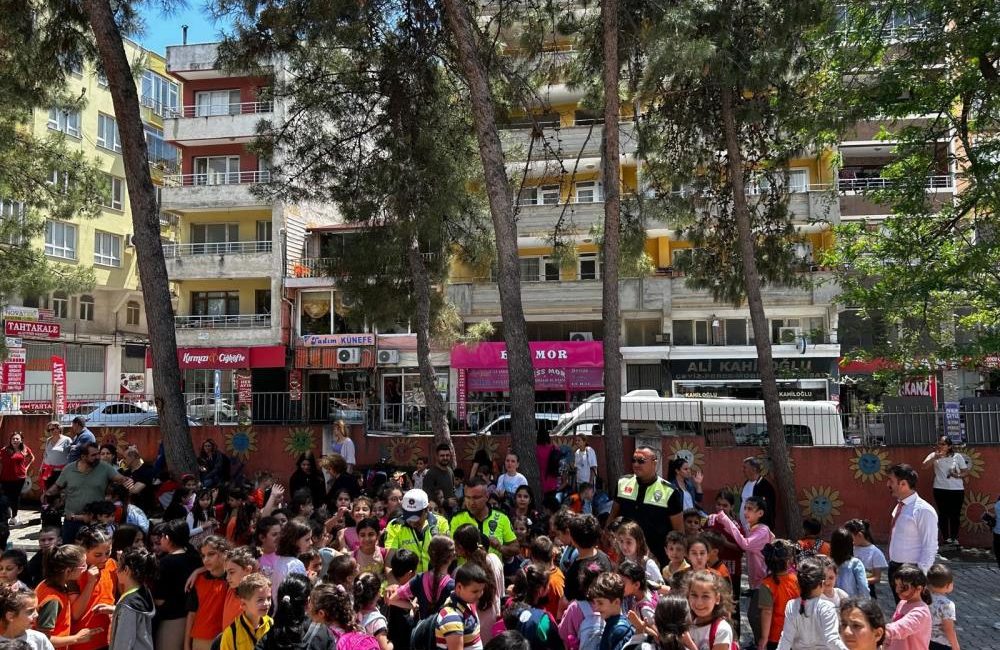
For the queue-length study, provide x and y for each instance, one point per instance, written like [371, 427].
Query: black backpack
[423, 635]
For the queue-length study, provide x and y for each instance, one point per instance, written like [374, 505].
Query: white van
[723, 422]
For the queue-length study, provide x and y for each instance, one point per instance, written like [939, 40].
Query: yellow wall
[245, 287]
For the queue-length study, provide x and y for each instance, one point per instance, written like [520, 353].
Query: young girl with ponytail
[524, 612]
[811, 622]
[911, 624]
[132, 622]
[292, 629]
[470, 548]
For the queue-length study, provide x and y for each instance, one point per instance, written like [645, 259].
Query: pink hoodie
[910, 628]
[753, 544]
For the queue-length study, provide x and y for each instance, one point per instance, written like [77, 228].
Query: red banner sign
[213, 358]
[244, 389]
[13, 377]
[295, 385]
[29, 329]
[58, 386]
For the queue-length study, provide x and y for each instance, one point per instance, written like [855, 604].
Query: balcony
[309, 272]
[479, 299]
[213, 191]
[566, 143]
[219, 260]
[224, 329]
[198, 125]
[854, 202]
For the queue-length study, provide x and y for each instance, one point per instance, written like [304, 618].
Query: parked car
[349, 413]
[108, 414]
[205, 407]
[153, 420]
[501, 425]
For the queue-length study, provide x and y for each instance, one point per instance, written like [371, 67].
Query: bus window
[678, 428]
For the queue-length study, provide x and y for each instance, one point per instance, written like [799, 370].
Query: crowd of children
[378, 565]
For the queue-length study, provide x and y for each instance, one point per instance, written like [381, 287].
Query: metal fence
[722, 422]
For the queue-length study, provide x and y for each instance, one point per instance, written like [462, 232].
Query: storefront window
[316, 313]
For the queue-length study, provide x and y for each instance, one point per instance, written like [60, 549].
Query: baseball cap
[414, 503]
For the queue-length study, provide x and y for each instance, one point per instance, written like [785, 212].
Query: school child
[831, 591]
[580, 626]
[543, 556]
[865, 550]
[851, 576]
[672, 622]
[253, 623]
[369, 556]
[64, 565]
[431, 587]
[17, 613]
[697, 555]
[97, 586]
[420, 473]
[640, 602]
[606, 596]
[711, 606]
[402, 568]
[693, 522]
[132, 622]
[676, 546]
[729, 551]
[240, 562]
[715, 541]
[559, 525]
[941, 583]
[456, 626]
[331, 605]
[811, 622]
[366, 596]
[775, 592]
[524, 611]
[206, 600]
[313, 562]
[13, 563]
[632, 544]
[911, 625]
[585, 533]
[811, 541]
[102, 516]
[202, 517]
[360, 509]
[48, 538]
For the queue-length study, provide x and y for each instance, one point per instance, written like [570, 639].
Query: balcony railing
[224, 321]
[217, 178]
[311, 267]
[217, 248]
[220, 110]
[938, 182]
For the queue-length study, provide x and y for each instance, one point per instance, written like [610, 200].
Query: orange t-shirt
[818, 546]
[720, 570]
[64, 619]
[103, 594]
[207, 601]
[231, 609]
[784, 589]
[557, 584]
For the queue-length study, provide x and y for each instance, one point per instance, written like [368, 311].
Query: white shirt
[914, 536]
[700, 634]
[345, 449]
[945, 466]
[871, 556]
[508, 484]
[817, 629]
[744, 495]
[584, 459]
[418, 478]
[35, 639]
[57, 451]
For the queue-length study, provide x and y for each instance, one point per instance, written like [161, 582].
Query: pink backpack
[711, 636]
[355, 641]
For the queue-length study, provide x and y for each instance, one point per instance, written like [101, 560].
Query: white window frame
[132, 312]
[86, 307]
[694, 330]
[210, 103]
[60, 179]
[14, 211]
[107, 249]
[588, 257]
[528, 196]
[60, 305]
[549, 195]
[526, 275]
[108, 140]
[116, 191]
[64, 121]
[160, 94]
[60, 239]
[548, 264]
[796, 179]
[589, 189]
[204, 175]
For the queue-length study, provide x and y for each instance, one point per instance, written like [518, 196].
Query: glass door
[217, 170]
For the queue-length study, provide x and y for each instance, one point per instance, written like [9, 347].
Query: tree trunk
[149, 252]
[778, 450]
[615, 460]
[432, 399]
[521, 375]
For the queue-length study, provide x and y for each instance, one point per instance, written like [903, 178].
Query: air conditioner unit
[789, 334]
[581, 336]
[349, 355]
[130, 241]
[388, 357]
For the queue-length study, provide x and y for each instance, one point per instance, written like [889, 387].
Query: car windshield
[82, 409]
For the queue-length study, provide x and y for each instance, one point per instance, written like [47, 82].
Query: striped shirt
[457, 617]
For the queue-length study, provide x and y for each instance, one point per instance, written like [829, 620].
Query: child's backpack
[591, 627]
[711, 636]
[423, 635]
[357, 641]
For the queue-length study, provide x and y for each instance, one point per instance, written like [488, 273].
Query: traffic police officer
[414, 528]
[492, 524]
[647, 499]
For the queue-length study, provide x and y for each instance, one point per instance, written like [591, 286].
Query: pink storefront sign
[544, 354]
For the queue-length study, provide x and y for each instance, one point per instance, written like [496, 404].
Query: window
[159, 94]
[102, 79]
[212, 238]
[107, 133]
[115, 191]
[588, 192]
[736, 331]
[691, 332]
[215, 303]
[217, 102]
[551, 270]
[64, 121]
[785, 330]
[550, 194]
[316, 313]
[795, 180]
[60, 305]
[160, 151]
[60, 239]
[528, 196]
[262, 301]
[217, 170]
[529, 269]
[264, 234]
[589, 268]
[132, 313]
[60, 179]
[107, 249]
[86, 307]
[12, 221]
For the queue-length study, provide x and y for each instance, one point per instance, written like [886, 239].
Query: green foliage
[770, 55]
[930, 269]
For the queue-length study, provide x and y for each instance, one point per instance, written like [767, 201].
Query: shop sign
[244, 389]
[58, 386]
[10, 402]
[13, 377]
[13, 342]
[133, 382]
[462, 393]
[747, 368]
[11, 312]
[295, 385]
[17, 355]
[213, 358]
[346, 340]
[31, 329]
[953, 422]
[544, 354]
[919, 387]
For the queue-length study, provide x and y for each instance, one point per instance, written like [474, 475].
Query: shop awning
[559, 365]
[265, 356]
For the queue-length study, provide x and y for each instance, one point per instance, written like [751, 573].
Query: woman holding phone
[15, 459]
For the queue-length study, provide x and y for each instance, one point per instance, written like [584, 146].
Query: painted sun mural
[975, 506]
[241, 442]
[870, 465]
[822, 503]
[688, 451]
[299, 441]
[403, 451]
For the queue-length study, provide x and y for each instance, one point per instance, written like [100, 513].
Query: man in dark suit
[758, 486]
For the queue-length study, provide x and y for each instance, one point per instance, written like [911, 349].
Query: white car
[204, 408]
[501, 425]
[108, 414]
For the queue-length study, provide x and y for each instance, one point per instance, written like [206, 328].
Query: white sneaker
[13, 521]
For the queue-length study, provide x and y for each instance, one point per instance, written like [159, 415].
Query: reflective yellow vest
[657, 494]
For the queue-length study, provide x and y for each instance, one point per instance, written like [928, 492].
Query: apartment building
[101, 332]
